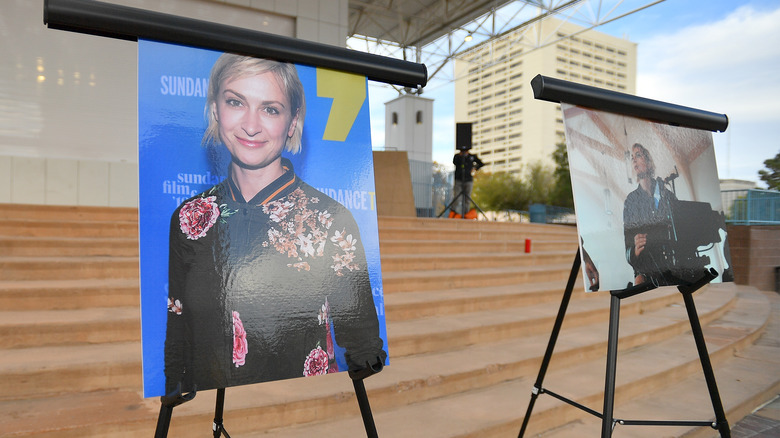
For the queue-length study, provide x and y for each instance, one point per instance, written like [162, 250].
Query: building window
[419, 117]
[395, 118]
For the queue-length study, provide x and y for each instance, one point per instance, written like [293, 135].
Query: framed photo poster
[258, 230]
[647, 199]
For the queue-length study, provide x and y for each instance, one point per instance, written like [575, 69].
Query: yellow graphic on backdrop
[348, 92]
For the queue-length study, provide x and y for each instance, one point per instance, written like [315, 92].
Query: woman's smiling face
[255, 119]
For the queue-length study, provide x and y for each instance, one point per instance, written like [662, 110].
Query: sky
[715, 55]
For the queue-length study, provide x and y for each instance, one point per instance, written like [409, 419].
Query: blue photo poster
[257, 215]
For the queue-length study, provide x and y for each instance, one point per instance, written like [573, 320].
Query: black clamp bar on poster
[557, 90]
[122, 22]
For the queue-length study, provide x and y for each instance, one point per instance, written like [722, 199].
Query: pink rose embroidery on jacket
[321, 361]
[198, 216]
[316, 363]
[240, 346]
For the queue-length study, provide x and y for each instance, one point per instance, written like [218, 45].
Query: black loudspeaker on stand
[462, 142]
[608, 422]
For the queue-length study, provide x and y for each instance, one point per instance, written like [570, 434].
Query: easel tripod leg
[706, 365]
[551, 343]
[163, 421]
[365, 408]
[609, 381]
[218, 427]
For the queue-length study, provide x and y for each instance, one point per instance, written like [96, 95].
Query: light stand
[466, 201]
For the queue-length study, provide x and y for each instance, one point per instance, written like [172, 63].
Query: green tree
[771, 176]
[540, 184]
[561, 192]
[499, 191]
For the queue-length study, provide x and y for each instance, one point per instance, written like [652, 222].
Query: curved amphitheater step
[466, 338]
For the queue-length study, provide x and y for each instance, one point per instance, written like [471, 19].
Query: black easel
[362, 398]
[608, 421]
[167, 403]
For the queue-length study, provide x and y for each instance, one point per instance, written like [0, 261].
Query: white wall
[409, 135]
[68, 105]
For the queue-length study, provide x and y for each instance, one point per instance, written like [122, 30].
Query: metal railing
[751, 207]
[432, 188]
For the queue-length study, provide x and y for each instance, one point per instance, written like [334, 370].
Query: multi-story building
[511, 130]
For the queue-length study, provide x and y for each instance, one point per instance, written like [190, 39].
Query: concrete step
[68, 268]
[434, 262]
[519, 233]
[746, 380]
[67, 212]
[65, 228]
[416, 281]
[55, 370]
[412, 305]
[475, 248]
[498, 410]
[467, 226]
[29, 328]
[408, 383]
[13, 246]
[441, 333]
[68, 294]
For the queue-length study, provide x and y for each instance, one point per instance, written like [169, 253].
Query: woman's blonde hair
[649, 163]
[230, 66]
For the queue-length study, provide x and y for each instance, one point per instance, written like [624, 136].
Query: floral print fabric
[198, 216]
[301, 231]
[269, 289]
[240, 347]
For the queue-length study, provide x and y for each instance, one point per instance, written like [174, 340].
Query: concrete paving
[763, 423]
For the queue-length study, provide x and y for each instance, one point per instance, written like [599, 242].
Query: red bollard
[527, 245]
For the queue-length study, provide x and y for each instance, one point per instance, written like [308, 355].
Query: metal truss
[435, 32]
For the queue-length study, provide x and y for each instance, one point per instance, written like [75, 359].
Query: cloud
[727, 66]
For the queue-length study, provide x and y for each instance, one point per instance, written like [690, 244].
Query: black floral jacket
[262, 290]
